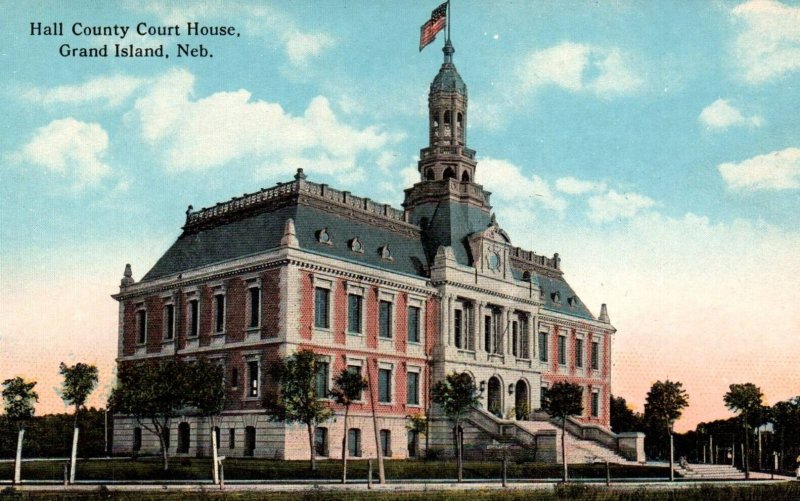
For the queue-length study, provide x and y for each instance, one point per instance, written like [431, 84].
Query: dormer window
[356, 245]
[385, 253]
[573, 301]
[324, 237]
[526, 276]
[556, 296]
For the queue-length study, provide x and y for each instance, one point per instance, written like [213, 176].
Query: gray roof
[262, 231]
[448, 80]
[552, 285]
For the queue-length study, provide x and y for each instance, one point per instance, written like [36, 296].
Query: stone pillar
[631, 446]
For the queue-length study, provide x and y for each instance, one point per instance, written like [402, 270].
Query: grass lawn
[789, 491]
[195, 469]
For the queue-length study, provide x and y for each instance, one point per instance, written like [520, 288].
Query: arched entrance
[521, 405]
[494, 396]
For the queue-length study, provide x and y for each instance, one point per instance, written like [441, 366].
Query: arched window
[217, 435]
[465, 176]
[460, 126]
[526, 276]
[429, 175]
[447, 123]
[449, 174]
[386, 442]
[183, 438]
[435, 127]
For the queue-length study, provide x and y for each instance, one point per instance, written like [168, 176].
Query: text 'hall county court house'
[408, 294]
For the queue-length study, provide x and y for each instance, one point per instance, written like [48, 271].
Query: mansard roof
[254, 224]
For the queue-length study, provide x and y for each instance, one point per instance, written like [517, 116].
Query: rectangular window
[322, 308]
[357, 370]
[194, 317]
[141, 326]
[595, 355]
[234, 378]
[354, 307]
[543, 346]
[252, 373]
[525, 343]
[386, 442]
[514, 338]
[413, 388]
[413, 324]
[232, 438]
[562, 350]
[497, 332]
[487, 333]
[413, 443]
[542, 396]
[354, 442]
[384, 386]
[385, 319]
[457, 319]
[579, 353]
[595, 404]
[322, 379]
[469, 340]
[169, 319]
[321, 441]
[219, 313]
[255, 307]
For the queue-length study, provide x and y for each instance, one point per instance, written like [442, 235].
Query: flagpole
[448, 20]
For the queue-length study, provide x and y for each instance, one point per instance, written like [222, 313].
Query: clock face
[493, 260]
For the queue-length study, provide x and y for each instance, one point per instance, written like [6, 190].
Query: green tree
[623, 418]
[152, 392]
[19, 402]
[348, 386]
[294, 398]
[457, 395]
[664, 405]
[208, 399]
[80, 380]
[744, 399]
[561, 401]
[786, 416]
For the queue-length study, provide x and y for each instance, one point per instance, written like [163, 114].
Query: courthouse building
[409, 294]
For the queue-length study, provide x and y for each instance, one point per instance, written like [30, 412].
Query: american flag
[437, 22]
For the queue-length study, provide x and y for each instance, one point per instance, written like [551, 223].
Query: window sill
[415, 343]
[254, 329]
[168, 341]
[357, 334]
[414, 406]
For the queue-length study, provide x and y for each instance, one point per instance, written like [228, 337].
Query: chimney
[289, 235]
[604, 314]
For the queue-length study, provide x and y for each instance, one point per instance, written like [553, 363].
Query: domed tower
[447, 203]
[447, 156]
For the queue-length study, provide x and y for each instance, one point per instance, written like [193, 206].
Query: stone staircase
[542, 438]
[709, 471]
[578, 450]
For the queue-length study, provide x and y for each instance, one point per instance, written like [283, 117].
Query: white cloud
[507, 182]
[721, 114]
[580, 68]
[778, 170]
[105, 90]
[198, 134]
[613, 205]
[572, 186]
[768, 46]
[69, 148]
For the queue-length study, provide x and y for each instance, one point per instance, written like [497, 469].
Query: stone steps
[709, 471]
[578, 450]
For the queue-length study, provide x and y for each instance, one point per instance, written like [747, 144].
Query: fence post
[505, 471]
[608, 473]
[221, 475]
[66, 474]
[369, 474]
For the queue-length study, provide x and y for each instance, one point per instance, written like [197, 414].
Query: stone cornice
[482, 290]
[564, 320]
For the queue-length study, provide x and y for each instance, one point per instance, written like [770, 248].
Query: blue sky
[656, 146]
